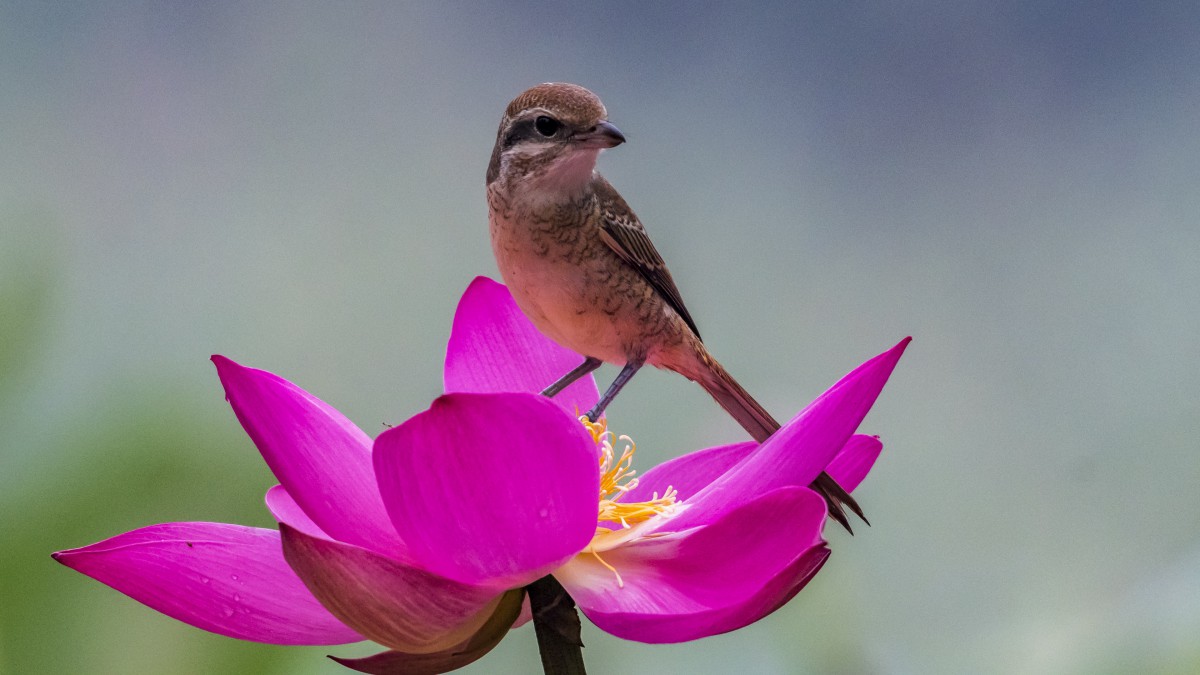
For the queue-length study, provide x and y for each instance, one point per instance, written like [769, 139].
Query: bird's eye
[546, 126]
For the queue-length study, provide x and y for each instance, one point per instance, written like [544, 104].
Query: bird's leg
[624, 376]
[589, 364]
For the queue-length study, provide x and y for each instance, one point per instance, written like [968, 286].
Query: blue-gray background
[301, 188]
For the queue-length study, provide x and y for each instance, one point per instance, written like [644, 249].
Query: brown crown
[570, 103]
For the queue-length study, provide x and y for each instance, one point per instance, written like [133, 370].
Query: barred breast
[571, 284]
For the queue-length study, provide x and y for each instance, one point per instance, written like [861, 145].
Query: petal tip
[480, 285]
[227, 368]
[888, 359]
[72, 558]
[482, 281]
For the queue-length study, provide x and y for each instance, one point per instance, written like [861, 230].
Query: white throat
[565, 178]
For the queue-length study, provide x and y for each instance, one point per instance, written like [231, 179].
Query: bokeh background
[300, 187]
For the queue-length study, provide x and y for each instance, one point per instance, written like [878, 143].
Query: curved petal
[855, 460]
[395, 605]
[708, 580]
[526, 614]
[319, 456]
[490, 488]
[800, 451]
[494, 348]
[690, 473]
[468, 651]
[285, 510]
[227, 579]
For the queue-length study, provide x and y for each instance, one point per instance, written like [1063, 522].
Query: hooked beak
[603, 135]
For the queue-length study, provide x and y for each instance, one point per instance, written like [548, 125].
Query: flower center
[617, 477]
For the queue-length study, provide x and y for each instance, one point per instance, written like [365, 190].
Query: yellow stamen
[617, 478]
[620, 581]
[596, 429]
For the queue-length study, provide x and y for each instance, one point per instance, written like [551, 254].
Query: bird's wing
[627, 237]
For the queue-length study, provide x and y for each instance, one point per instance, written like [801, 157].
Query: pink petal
[494, 348]
[526, 614]
[708, 580]
[490, 488]
[855, 460]
[689, 473]
[468, 651]
[800, 451]
[285, 510]
[227, 579]
[395, 605]
[321, 458]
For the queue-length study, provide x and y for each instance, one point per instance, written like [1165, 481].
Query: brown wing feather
[625, 234]
[627, 237]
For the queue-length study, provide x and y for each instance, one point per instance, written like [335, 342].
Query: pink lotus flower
[423, 540]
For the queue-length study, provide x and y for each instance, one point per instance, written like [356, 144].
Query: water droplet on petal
[544, 512]
[205, 580]
[228, 612]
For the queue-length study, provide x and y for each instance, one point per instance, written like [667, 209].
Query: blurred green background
[300, 187]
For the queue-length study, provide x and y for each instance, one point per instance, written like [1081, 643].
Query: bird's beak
[603, 135]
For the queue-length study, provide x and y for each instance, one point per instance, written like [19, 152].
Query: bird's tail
[758, 422]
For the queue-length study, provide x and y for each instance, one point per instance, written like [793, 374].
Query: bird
[581, 266]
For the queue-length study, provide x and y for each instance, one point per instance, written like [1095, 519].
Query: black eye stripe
[519, 132]
[527, 129]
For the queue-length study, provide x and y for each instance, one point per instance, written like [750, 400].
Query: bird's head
[549, 138]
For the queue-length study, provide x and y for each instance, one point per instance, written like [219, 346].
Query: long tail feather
[760, 424]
